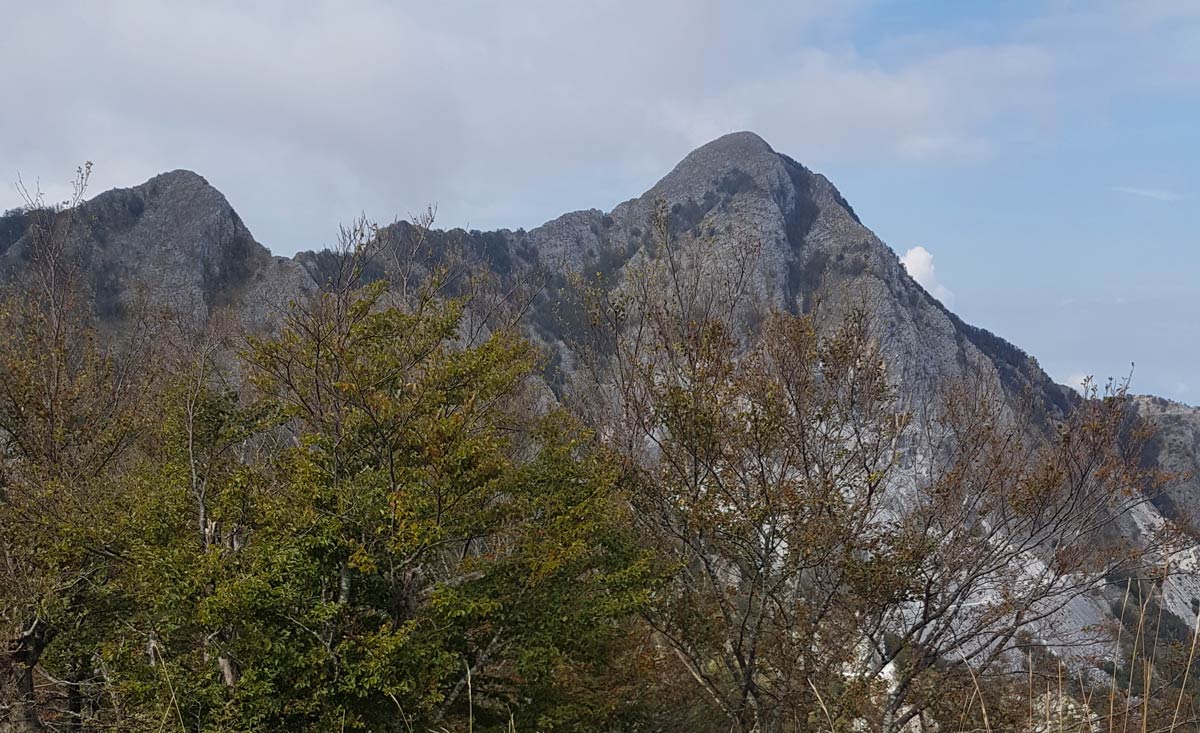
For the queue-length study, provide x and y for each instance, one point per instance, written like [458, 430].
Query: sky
[1034, 163]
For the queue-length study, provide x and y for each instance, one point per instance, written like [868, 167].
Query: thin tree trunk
[18, 711]
[18, 708]
[229, 671]
[75, 700]
[344, 585]
[471, 671]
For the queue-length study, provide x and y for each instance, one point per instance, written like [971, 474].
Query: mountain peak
[179, 176]
[743, 143]
[183, 187]
[741, 155]
[176, 238]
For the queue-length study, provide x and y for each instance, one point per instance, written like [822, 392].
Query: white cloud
[305, 114]
[919, 263]
[1158, 194]
[1076, 380]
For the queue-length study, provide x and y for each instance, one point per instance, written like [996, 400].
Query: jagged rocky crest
[177, 239]
[178, 236]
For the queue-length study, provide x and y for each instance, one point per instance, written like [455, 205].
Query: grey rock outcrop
[1175, 448]
[810, 251]
[176, 240]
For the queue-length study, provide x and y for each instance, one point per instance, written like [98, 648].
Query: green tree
[71, 400]
[194, 499]
[383, 531]
[434, 550]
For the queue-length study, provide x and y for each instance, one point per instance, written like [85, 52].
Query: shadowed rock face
[176, 239]
[1175, 448]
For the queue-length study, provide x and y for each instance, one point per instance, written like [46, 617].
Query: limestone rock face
[1175, 448]
[176, 240]
[809, 251]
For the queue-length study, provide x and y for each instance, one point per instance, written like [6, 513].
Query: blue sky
[1043, 154]
[1073, 232]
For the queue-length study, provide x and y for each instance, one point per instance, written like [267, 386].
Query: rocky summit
[808, 249]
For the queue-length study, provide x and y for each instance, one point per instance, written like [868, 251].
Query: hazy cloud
[1158, 194]
[306, 114]
[1076, 380]
[919, 263]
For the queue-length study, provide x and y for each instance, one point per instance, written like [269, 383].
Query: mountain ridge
[809, 251]
[196, 249]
